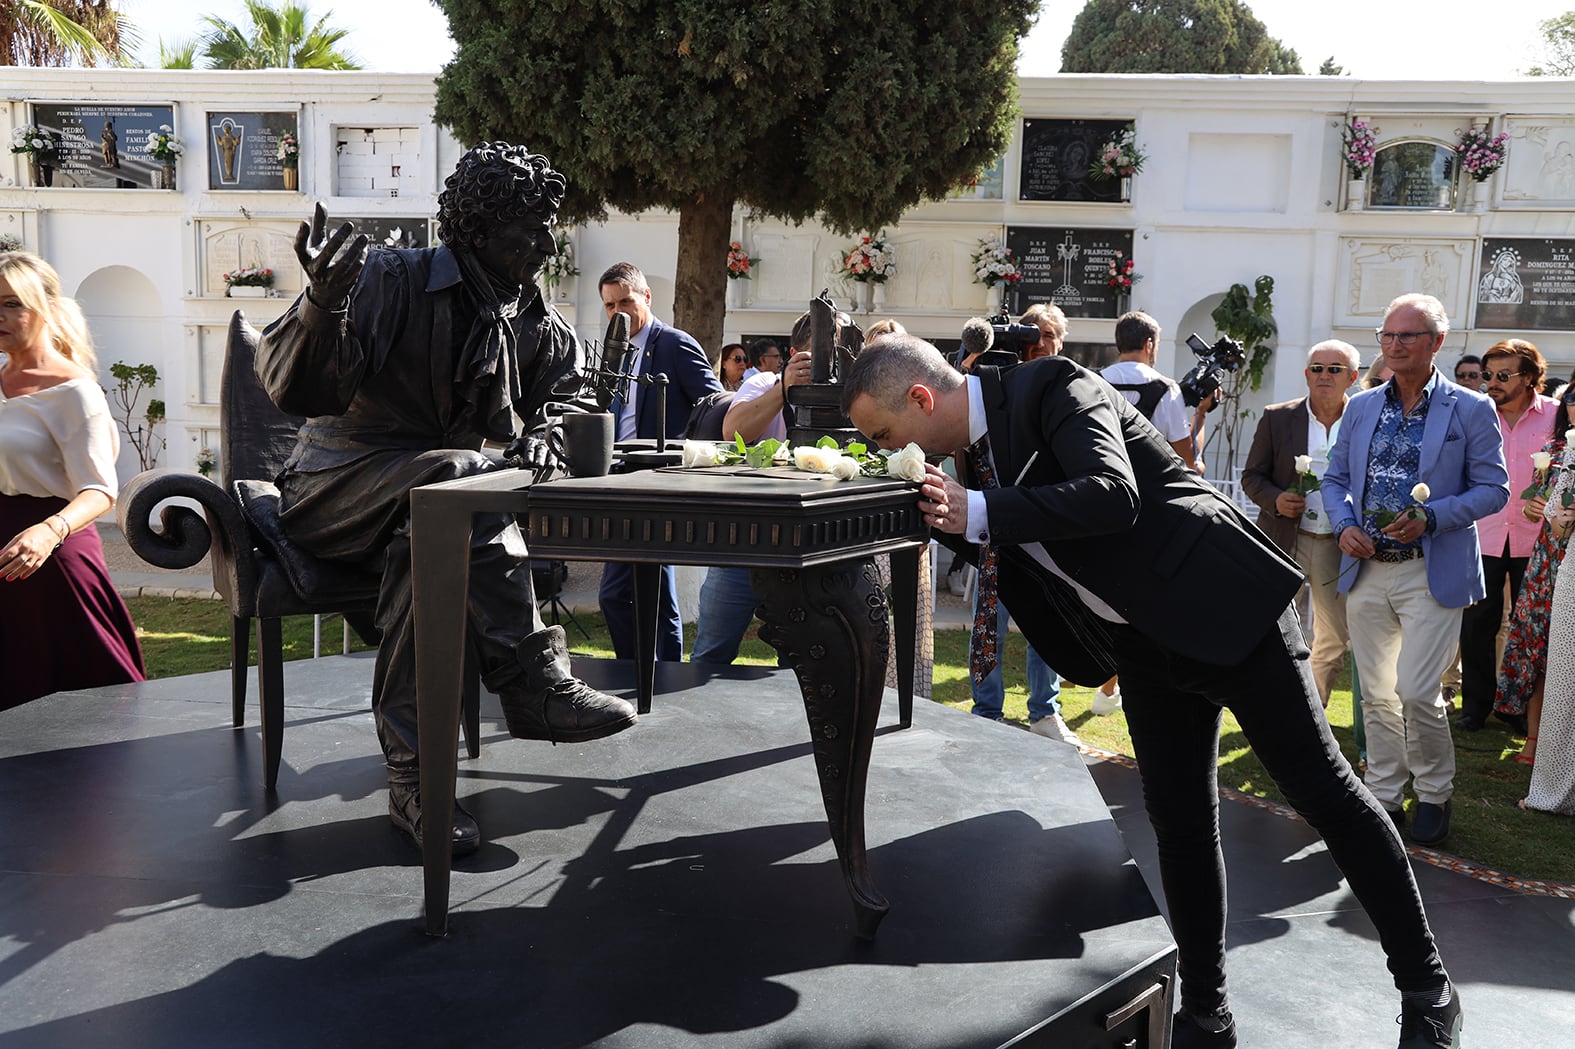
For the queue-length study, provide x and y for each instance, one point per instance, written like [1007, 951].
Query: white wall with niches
[1243, 177]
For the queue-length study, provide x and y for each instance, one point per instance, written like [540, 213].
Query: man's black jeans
[1173, 707]
[1479, 633]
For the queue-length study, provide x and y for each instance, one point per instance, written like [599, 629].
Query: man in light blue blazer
[1410, 562]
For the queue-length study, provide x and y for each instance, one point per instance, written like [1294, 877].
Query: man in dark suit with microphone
[654, 349]
[1115, 557]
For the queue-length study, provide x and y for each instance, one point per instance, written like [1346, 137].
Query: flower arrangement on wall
[994, 263]
[1122, 274]
[560, 266]
[739, 264]
[289, 151]
[1480, 153]
[37, 144]
[1118, 158]
[870, 260]
[163, 146]
[249, 277]
[1359, 147]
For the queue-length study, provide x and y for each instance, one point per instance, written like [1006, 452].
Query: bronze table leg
[830, 623]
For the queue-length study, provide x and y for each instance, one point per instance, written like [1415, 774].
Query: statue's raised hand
[331, 267]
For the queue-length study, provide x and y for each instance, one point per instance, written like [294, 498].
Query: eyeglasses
[737, 360]
[1468, 375]
[771, 355]
[1502, 376]
[1332, 369]
[1406, 339]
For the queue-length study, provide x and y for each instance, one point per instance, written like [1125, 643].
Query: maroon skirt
[64, 627]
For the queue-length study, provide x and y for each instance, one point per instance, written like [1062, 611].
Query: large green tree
[278, 38]
[1173, 36]
[796, 108]
[33, 33]
[1558, 46]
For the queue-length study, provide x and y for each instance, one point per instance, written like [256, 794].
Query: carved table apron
[809, 543]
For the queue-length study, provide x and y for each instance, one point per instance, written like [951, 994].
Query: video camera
[1226, 355]
[997, 341]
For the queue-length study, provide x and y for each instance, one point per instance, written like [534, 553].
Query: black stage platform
[671, 886]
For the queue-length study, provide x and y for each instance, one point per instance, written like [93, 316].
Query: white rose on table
[1541, 460]
[906, 464]
[1421, 493]
[699, 453]
[846, 468]
[1303, 464]
[816, 460]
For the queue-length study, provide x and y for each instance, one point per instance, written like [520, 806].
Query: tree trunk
[700, 289]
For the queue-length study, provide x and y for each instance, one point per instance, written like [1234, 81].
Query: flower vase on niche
[878, 296]
[1479, 195]
[1355, 194]
[292, 177]
[1123, 303]
[866, 295]
[735, 293]
[560, 291]
[43, 174]
[169, 176]
[1126, 189]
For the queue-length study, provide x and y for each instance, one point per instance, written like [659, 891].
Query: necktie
[620, 399]
[982, 646]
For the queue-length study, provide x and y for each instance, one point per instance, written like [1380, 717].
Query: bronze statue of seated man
[404, 361]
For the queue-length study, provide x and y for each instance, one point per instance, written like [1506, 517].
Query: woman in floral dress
[1553, 775]
[1520, 680]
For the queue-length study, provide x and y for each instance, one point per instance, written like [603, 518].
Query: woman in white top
[62, 626]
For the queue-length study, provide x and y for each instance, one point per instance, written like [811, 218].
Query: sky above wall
[1372, 39]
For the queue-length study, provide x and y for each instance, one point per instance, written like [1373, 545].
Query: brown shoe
[404, 808]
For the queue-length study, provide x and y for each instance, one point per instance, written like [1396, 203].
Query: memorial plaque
[1057, 158]
[243, 149]
[385, 231]
[104, 146]
[1067, 266]
[1413, 175]
[1526, 284]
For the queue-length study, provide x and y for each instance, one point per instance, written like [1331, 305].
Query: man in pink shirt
[1513, 371]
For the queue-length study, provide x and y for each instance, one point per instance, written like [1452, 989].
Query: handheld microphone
[977, 336]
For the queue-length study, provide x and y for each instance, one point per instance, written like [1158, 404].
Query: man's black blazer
[1083, 473]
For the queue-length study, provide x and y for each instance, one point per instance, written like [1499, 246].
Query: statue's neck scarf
[488, 368]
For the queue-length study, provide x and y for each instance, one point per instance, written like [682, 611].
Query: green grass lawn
[192, 636]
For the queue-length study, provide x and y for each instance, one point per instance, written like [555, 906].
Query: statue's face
[515, 253]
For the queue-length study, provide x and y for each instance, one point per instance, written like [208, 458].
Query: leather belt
[1392, 557]
[1315, 535]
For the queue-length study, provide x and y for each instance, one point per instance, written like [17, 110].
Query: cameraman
[1155, 396]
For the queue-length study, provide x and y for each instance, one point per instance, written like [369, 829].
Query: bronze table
[809, 543]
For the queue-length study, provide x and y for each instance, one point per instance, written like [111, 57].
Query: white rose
[907, 463]
[846, 468]
[815, 460]
[1541, 460]
[699, 453]
[1303, 464]
[1421, 493]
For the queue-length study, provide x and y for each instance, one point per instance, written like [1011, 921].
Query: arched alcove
[125, 315]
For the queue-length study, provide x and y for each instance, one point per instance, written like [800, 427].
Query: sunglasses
[1502, 376]
[1468, 375]
[1332, 369]
[737, 360]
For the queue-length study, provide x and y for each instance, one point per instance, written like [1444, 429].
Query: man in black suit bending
[1114, 557]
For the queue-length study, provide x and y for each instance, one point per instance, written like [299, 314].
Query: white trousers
[1327, 634]
[1403, 639]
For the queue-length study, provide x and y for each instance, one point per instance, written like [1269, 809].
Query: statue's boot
[551, 703]
[404, 808]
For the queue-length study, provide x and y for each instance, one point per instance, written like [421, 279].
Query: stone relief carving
[226, 248]
[1540, 168]
[1375, 271]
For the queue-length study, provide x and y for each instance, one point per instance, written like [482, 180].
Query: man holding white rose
[1418, 462]
[1284, 474]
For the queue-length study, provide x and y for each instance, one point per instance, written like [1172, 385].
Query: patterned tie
[982, 647]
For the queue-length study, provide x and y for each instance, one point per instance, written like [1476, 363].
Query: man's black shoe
[551, 703]
[1437, 1027]
[1186, 1033]
[1516, 722]
[404, 808]
[1468, 723]
[1431, 824]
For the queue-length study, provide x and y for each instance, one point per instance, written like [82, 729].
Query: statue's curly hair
[495, 184]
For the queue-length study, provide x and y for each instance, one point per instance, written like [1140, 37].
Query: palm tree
[34, 33]
[180, 53]
[278, 39]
